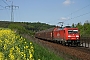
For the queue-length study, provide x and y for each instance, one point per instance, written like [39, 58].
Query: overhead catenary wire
[2, 6]
[79, 9]
[5, 2]
[77, 16]
[75, 12]
[10, 7]
[80, 15]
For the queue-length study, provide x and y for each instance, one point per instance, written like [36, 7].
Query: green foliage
[17, 27]
[37, 26]
[31, 28]
[25, 27]
[4, 24]
[42, 53]
[84, 29]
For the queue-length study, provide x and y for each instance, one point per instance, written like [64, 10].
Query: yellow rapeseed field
[14, 47]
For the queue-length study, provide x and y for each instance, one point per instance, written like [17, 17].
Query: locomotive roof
[71, 28]
[56, 29]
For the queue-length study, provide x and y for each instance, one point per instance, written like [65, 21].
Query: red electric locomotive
[66, 35]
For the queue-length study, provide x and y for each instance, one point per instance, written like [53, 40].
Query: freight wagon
[66, 36]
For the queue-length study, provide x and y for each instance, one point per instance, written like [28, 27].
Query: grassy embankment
[44, 54]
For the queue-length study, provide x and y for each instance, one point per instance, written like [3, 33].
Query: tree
[73, 25]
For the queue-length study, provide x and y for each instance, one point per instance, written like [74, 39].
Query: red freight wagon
[49, 34]
[66, 35]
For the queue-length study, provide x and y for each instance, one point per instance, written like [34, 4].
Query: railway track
[81, 48]
[80, 53]
[68, 53]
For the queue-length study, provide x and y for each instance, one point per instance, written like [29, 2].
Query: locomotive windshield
[72, 31]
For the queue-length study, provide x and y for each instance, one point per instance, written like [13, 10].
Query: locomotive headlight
[77, 36]
[69, 36]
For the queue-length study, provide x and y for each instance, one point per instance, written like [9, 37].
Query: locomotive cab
[72, 36]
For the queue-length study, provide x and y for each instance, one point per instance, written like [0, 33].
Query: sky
[46, 11]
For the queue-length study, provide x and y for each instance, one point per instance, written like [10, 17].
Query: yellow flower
[1, 42]
[11, 56]
[17, 49]
[25, 42]
[30, 43]
[24, 55]
[11, 50]
[31, 56]
[31, 47]
[5, 46]
[1, 56]
[16, 45]
[26, 47]
[38, 59]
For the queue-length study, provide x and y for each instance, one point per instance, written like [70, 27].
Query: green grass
[44, 54]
